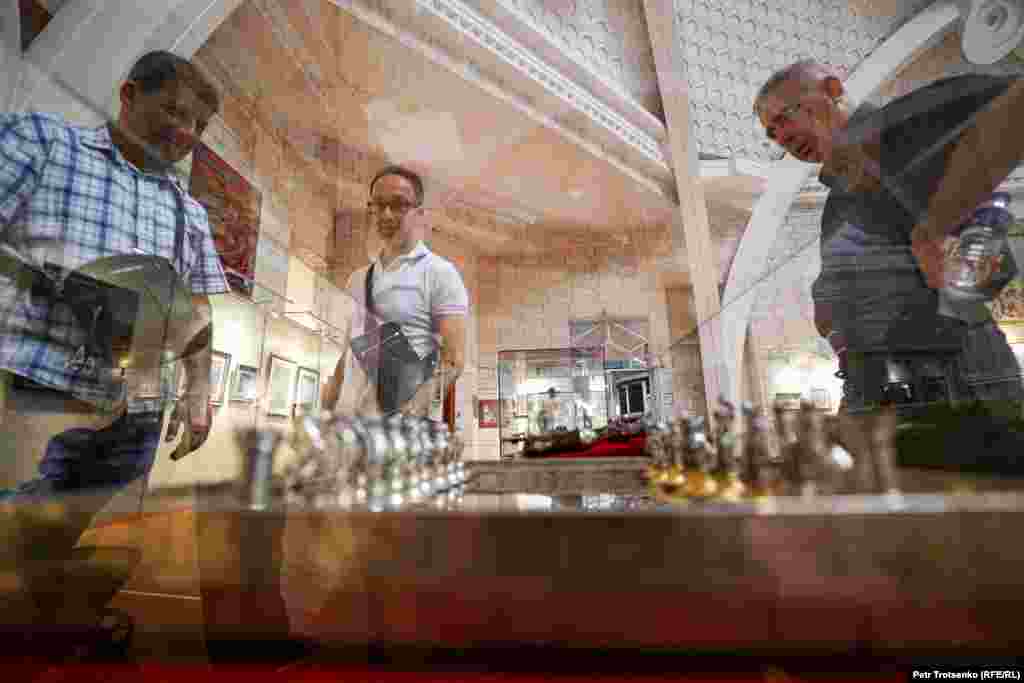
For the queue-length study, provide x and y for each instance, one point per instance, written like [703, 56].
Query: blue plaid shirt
[68, 197]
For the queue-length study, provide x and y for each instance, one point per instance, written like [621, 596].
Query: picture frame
[246, 385]
[307, 390]
[488, 413]
[281, 380]
[220, 366]
[233, 205]
[508, 412]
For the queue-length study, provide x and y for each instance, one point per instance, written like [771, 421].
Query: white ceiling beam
[693, 221]
[76, 63]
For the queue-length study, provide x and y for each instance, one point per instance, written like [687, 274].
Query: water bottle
[971, 266]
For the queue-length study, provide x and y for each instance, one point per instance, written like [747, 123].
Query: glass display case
[551, 392]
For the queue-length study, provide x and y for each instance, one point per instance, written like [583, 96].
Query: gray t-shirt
[869, 276]
[422, 288]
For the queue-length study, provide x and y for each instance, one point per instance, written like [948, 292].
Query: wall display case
[220, 367]
[545, 392]
[245, 388]
[307, 390]
[281, 374]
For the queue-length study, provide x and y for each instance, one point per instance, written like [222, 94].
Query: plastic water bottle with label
[975, 259]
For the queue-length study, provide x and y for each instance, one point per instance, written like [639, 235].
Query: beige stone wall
[527, 302]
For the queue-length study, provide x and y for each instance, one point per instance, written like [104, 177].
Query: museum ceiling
[531, 118]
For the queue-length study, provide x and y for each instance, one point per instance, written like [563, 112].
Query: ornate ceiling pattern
[730, 49]
[606, 37]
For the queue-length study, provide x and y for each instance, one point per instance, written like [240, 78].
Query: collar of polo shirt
[416, 253]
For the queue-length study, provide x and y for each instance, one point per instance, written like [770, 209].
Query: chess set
[751, 454]
[375, 463]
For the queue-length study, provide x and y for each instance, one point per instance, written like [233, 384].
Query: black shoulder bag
[389, 359]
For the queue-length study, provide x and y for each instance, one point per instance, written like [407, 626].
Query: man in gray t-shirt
[412, 286]
[902, 179]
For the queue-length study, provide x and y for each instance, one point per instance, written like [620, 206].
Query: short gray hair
[807, 70]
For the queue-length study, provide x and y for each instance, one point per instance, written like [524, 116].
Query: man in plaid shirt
[69, 196]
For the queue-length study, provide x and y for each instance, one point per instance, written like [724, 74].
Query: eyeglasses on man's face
[783, 117]
[397, 206]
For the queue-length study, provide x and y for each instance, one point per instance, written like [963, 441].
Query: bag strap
[368, 297]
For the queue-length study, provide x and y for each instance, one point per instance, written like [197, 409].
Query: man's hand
[197, 422]
[837, 341]
[932, 252]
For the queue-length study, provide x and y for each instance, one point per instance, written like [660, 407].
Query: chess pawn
[728, 451]
[654, 449]
[699, 456]
[350, 453]
[438, 455]
[676, 442]
[740, 448]
[789, 451]
[428, 475]
[380, 464]
[812, 449]
[671, 477]
[882, 442]
[761, 454]
[402, 470]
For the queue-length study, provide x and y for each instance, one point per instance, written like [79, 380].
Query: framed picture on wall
[280, 386]
[488, 413]
[233, 205]
[220, 365]
[245, 388]
[307, 391]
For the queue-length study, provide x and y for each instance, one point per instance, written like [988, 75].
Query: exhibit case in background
[544, 391]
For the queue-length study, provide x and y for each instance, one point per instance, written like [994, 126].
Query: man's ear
[127, 92]
[833, 87]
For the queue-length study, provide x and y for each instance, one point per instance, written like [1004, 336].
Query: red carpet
[161, 673]
[604, 448]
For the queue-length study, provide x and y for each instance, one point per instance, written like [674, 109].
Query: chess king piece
[761, 454]
[728, 451]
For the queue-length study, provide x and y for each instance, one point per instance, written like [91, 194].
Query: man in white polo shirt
[411, 286]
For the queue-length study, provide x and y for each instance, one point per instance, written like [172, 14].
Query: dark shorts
[986, 371]
[78, 458]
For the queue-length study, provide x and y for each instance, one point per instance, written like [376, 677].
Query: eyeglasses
[397, 206]
[785, 116]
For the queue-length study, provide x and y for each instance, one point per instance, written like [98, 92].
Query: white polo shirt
[420, 288]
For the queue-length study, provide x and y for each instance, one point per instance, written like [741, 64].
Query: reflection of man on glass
[902, 180]
[70, 196]
[547, 417]
[411, 286]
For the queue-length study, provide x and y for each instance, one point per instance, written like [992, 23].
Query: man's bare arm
[332, 390]
[453, 345]
[197, 358]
